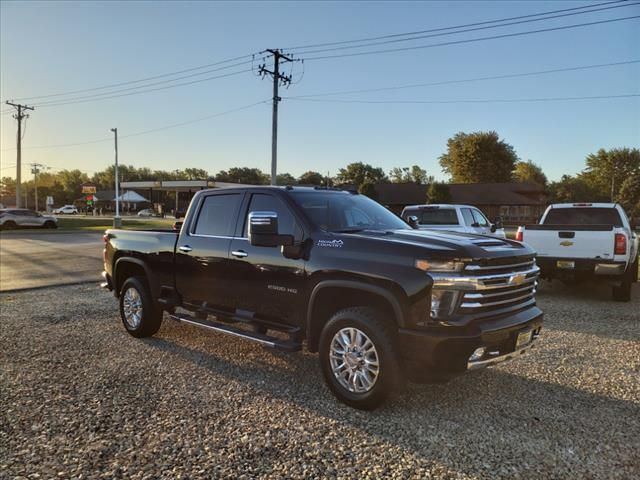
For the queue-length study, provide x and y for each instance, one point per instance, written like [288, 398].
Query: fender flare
[136, 261]
[355, 285]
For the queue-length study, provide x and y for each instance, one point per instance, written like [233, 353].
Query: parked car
[454, 218]
[378, 300]
[147, 212]
[578, 241]
[66, 210]
[11, 218]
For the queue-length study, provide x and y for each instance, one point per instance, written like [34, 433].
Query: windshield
[335, 212]
[583, 216]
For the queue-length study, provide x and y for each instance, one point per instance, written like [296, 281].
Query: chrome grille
[501, 283]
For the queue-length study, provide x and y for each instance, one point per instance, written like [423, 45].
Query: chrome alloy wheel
[354, 360]
[132, 306]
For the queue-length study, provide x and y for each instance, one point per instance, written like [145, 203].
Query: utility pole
[117, 221]
[35, 169]
[19, 116]
[277, 79]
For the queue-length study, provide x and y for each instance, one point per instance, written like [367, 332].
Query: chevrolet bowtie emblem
[517, 279]
[566, 243]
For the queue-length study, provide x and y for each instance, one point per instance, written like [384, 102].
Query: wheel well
[330, 300]
[125, 270]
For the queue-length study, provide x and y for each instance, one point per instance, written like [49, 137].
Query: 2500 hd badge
[378, 300]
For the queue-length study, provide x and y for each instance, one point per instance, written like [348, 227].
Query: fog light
[477, 354]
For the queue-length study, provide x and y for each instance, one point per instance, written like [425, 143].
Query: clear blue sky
[50, 47]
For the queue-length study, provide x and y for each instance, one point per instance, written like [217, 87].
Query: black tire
[623, 292]
[151, 316]
[50, 224]
[9, 225]
[382, 334]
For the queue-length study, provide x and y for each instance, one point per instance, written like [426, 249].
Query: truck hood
[446, 244]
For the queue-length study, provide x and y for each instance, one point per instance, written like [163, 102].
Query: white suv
[11, 218]
[66, 210]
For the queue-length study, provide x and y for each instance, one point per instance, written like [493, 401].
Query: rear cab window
[437, 216]
[583, 216]
[218, 214]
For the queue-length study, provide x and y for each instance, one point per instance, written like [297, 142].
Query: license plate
[523, 338]
[566, 264]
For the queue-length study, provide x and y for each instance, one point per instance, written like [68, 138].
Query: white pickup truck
[455, 218]
[579, 241]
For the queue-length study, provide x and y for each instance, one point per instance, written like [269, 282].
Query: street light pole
[117, 221]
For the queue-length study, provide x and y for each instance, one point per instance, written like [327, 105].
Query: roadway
[37, 259]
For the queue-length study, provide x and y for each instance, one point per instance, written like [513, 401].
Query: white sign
[49, 200]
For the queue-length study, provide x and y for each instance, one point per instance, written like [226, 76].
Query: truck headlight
[439, 266]
[443, 303]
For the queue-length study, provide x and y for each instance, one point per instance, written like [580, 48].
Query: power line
[493, 100]
[472, 40]
[155, 77]
[440, 34]
[467, 80]
[73, 102]
[144, 132]
[395, 35]
[128, 89]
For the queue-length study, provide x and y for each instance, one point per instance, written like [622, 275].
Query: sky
[56, 47]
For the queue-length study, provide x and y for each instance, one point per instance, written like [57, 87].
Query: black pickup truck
[380, 301]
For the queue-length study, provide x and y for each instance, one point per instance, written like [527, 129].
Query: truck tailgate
[571, 241]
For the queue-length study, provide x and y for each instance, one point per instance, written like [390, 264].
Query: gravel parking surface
[82, 399]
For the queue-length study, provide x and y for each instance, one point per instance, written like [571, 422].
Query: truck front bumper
[444, 353]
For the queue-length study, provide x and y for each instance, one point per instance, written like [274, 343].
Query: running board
[269, 341]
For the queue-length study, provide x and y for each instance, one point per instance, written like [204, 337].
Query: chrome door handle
[185, 248]
[239, 253]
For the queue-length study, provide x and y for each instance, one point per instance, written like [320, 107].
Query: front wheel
[50, 224]
[140, 315]
[359, 357]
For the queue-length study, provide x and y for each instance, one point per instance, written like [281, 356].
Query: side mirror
[498, 222]
[177, 226]
[494, 227]
[263, 231]
[412, 220]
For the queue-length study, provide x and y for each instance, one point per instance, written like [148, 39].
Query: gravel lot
[82, 399]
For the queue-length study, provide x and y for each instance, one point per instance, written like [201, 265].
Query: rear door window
[218, 215]
[438, 216]
[583, 216]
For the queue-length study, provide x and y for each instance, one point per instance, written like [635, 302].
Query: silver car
[11, 218]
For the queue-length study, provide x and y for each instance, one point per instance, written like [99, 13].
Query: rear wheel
[623, 292]
[359, 357]
[9, 225]
[140, 315]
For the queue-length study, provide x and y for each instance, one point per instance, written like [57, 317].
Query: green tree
[311, 178]
[629, 196]
[246, 175]
[357, 173]
[478, 157]
[285, 179]
[438, 193]
[606, 170]
[529, 172]
[572, 189]
[413, 174]
[368, 188]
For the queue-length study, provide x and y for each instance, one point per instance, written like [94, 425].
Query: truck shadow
[503, 417]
